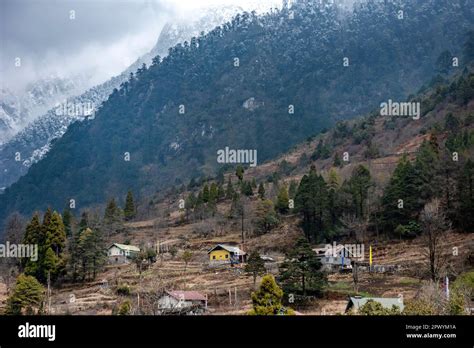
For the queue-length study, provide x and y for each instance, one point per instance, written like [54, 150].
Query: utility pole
[242, 210]
[235, 296]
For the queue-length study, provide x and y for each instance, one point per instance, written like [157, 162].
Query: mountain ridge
[143, 120]
[35, 140]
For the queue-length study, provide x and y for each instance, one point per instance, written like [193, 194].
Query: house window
[226, 256]
[214, 257]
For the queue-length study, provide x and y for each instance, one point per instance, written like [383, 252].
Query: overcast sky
[99, 38]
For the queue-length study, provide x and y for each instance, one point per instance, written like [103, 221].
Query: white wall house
[119, 253]
[174, 301]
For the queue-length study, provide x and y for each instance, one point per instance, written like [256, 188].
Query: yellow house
[226, 253]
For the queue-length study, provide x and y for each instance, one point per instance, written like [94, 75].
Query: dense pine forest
[304, 87]
[257, 82]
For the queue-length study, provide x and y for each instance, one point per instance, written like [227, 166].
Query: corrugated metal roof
[187, 295]
[229, 248]
[384, 301]
[126, 247]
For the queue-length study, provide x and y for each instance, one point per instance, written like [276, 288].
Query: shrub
[123, 290]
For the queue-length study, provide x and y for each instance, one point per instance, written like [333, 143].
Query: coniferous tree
[129, 211]
[266, 218]
[300, 272]
[56, 234]
[33, 236]
[359, 185]
[333, 197]
[220, 177]
[220, 192]
[267, 299]
[400, 201]
[230, 189]
[92, 253]
[205, 194]
[322, 151]
[213, 193]
[261, 191]
[292, 189]
[427, 169]
[27, 295]
[53, 247]
[112, 218]
[199, 206]
[337, 160]
[246, 188]
[239, 172]
[451, 123]
[282, 200]
[47, 217]
[311, 202]
[255, 266]
[50, 237]
[68, 220]
[73, 248]
[84, 223]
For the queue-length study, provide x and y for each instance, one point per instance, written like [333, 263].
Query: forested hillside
[238, 87]
[399, 185]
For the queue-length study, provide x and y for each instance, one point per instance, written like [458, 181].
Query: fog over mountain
[52, 50]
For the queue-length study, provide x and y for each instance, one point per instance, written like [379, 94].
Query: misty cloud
[100, 41]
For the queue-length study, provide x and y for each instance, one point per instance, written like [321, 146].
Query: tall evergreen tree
[255, 266]
[239, 172]
[33, 236]
[359, 185]
[333, 197]
[68, 220]
[56, 234]
[91, 249]
[112, 218]
[300, 272]
[265, 217]
[267, 299]
[230, 189]
[213, 192]
[282, 200]
[427, 169]
[261, 191]
[311, 202]
[27, 296]
[129, 211]
[400, 201]
[292, 189]
[205, 194]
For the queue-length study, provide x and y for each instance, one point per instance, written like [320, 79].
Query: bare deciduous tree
[435, 225]
[9, 267]
[357, 227]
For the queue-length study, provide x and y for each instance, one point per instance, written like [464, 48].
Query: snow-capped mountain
[18, 109]
[34, 141]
